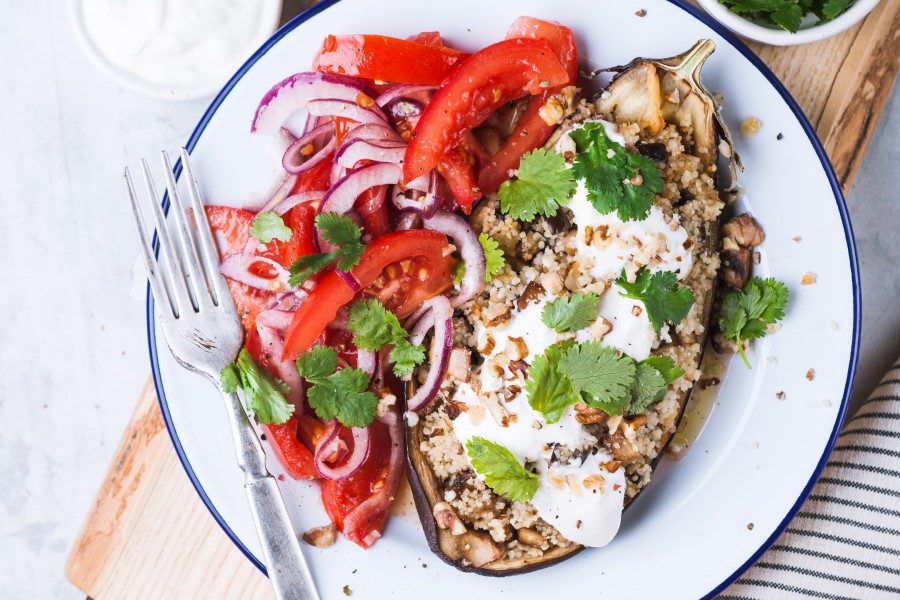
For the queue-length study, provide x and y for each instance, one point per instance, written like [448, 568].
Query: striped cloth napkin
[844, 544]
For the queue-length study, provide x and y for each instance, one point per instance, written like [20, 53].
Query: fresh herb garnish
[788, 14]
[664, 300]
[542, 185]
[652, 377]
[549, 391]
[493, 258]
[342, 394]
[616, 180]
[339, 230]
[571, 312]
[263, 394]
[745, 314]
[374, 327]
[602, 375]
[268, 226]
[501, 470]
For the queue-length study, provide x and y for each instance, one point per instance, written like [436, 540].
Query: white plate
[688, 535]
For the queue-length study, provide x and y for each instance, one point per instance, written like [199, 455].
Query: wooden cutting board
[149, 535]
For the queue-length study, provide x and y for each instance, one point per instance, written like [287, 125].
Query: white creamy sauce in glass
[581, 499]
[173, 42]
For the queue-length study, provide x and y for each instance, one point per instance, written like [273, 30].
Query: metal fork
[203, 331]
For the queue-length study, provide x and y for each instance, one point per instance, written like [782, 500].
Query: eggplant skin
[681, 73]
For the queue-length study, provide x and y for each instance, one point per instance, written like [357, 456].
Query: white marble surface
[72, 336]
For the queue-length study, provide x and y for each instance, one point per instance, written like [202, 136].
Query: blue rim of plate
[804, 123]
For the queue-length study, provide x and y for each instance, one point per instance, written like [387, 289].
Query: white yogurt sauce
[581, 499]
[173, 42]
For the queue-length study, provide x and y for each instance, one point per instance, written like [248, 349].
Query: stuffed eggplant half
[568, 375]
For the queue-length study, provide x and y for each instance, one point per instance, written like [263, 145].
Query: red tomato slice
[296, 458]
[428, 38]
[430, 272]
[373, 210]
[342, 497]
[531, 131]
[316, 179]
[384, 58]
[488, 79]
[301, 220]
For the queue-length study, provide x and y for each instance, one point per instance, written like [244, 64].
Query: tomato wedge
[489, 78]
[332, 292]
[296, 458]
[531, 131]
[384, 58]
[428, 38]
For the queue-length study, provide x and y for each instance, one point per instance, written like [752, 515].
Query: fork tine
[156, 284]
[207, 244]
[177, 282]
[198, 285]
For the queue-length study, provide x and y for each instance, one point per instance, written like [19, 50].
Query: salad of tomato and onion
[362, 251]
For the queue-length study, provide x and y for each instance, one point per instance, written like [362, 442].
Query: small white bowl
[809, 30]
[204, 88]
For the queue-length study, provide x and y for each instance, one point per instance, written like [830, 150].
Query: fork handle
[286, 565]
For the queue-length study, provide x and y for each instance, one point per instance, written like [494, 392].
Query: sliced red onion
[408, 220]
[343, 194]
[379, 502]
[322, 137]
[441, 344]
[422, 183]
[419, 92]
[292, 201]
[404, 108]
[292, 94]
[367, 361]
[348, 109]
[275, 319]
[374, 150]
[372, 131]
[422, 204]
[349, 279]
[237, 267]
[470, 250]
[332, 449]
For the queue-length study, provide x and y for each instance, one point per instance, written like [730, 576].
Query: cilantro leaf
[549, 391]
[787, 14]
[664, 300]
[601, 374]
[501, 470]
[405, 357]
[652, 377]
[264, 395]
[317, 363]
[616, 180]
[268, 226]
[493, 258]
[571, 312]
[341, 395]
[745, 314]
[832, 9]
[542, 185]
[336, 229]
[374, 327]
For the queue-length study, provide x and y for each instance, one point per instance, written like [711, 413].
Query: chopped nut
[516, 348]
[585, 414]
[636, 310]
[555, 480]
[487, 345]
[573, 485]
[808, 279]
[611, 466]
[551, 282]
[641, 13]
[498, 411]
[595, 482]
[810, 375]
[613, 423]
[386, 401]
[460, 364]
[531, 537]
[588, 234]
[476, 414]
[447, 519]
[796, 239]
[750, 126]
[750, 526]
[779, 395]
[519, 367]
[532, 292]
[744, 230]
[321, 537]
[621, 448]
[600, 328]
[558, 106]
[479, 549]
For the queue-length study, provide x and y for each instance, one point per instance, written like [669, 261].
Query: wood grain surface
[149, 536]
